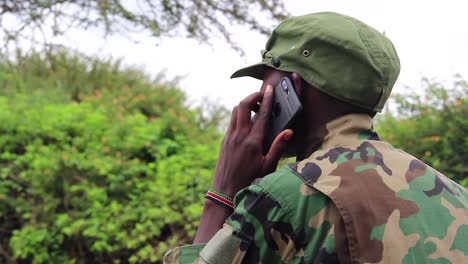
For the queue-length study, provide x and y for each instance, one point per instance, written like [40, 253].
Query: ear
[297, 83]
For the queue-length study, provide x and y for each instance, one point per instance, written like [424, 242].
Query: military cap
[339, 55]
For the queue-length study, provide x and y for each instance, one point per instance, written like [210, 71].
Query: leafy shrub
[110, 174]
[432, 127]
[79, 184]
[64, 75]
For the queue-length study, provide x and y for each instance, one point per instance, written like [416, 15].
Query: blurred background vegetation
[432, 126]
[98, 163]
[104, 163]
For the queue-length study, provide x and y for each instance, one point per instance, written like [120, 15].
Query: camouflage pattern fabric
[355, 200]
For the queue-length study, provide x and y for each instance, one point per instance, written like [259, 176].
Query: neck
[313, 134]
[310, 144]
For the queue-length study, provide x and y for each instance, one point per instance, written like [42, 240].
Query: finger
[233, 122]
[245, 108]
[277, 149]
[263, 114]
[296, 78]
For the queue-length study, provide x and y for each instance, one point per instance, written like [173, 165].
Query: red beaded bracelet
[219, 198]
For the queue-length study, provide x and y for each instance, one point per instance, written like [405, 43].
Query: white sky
[430, 36]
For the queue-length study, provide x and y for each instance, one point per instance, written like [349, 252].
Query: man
[351, 197]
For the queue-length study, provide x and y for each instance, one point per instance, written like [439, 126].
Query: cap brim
[255, 71]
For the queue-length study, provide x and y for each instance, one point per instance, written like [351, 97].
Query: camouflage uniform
[355, 200]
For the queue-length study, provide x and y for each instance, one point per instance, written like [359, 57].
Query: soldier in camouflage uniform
[351, 197]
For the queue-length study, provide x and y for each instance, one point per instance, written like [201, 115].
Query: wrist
[213, 207]
[229, 190]
[213, 218]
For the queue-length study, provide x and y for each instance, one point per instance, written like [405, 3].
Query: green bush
[82, 185]
[432, 127]
[63, 75]
[110, 175]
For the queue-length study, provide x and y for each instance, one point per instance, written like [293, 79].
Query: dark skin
[241, 159]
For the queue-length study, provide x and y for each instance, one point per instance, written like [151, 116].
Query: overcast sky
[431, 38]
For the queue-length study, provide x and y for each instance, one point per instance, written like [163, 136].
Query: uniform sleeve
[224, 247]
[281, 220]
[284, 226]
[275, 221]
[184, 254]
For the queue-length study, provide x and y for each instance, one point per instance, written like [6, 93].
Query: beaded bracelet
[220, 198]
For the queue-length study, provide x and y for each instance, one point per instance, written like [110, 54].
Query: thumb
[277, 149]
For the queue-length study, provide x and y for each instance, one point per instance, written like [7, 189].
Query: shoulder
[283, 197]
[290, 191]
[381, 191]
[279, 214]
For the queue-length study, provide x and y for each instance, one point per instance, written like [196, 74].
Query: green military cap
[340, 55]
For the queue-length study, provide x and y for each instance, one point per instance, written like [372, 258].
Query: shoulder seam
[286, 209]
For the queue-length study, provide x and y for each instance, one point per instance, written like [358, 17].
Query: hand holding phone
[241, 158]
[285, 109]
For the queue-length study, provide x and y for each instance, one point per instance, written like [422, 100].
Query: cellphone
[285, 109]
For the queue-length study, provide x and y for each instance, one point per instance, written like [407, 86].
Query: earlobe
[297, 83]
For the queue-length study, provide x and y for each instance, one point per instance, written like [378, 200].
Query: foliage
[66, 75]
[200, 20]
[432, 127]
[115, 175]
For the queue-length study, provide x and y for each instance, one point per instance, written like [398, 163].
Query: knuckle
[234, 139]
[252, 144]
[264, 115]
[243, 132]
[244, 103]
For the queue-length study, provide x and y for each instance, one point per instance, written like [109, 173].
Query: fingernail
[269, 88]
[287, 137]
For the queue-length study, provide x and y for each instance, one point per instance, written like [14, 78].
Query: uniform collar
[346, 130]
